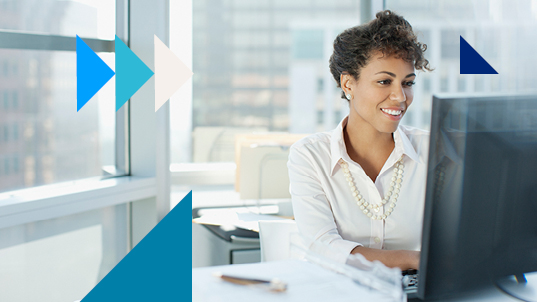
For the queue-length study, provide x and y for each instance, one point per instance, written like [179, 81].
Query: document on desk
[248, 221]
[305, 282]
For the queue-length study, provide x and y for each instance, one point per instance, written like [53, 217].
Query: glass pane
[86, 18]
[43, 139]
[61, 259]
[500, 31]
[248, 62]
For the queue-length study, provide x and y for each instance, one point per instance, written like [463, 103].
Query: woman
[347, 185]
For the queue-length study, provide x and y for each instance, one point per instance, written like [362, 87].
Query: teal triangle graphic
[91, 73]
[131, 72]
[159, 268]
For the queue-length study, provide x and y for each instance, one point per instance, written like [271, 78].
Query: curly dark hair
[388, 33]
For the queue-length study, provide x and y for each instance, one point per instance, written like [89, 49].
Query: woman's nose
[398, 94]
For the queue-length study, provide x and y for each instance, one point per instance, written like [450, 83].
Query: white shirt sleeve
[311, 207]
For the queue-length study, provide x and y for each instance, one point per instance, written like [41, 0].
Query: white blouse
[325, 209]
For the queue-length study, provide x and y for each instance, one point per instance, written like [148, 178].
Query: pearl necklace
[393, 191]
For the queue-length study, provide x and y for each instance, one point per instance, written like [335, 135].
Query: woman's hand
[402, 259]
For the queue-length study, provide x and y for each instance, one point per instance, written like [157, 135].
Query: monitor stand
[523, 286]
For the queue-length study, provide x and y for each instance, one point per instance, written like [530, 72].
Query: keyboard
[410, 283]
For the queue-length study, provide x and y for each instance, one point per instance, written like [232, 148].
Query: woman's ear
[346, 81]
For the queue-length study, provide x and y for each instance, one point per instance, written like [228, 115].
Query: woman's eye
[410, 84]
[385, 82]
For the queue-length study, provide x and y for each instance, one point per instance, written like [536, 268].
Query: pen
[274, 284]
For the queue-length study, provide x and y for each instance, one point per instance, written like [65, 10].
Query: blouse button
[377, 239]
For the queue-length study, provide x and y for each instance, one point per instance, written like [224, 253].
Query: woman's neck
[367, 146]
[364, 139]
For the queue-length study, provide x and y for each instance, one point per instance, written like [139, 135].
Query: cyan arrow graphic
[91, 73]
[158, 268]
[472, 62]
[170, 73]
[131, 73]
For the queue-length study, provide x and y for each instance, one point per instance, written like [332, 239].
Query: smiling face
[382, 94]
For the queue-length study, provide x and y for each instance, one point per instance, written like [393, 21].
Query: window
[40, 125]
[499, 31]
[308, 44]
[242, 71]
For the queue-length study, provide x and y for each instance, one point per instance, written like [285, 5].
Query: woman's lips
[393, 114]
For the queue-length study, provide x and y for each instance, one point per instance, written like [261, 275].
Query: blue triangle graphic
[91, 73]
[131, 72]
[472, 62]
[159, 268]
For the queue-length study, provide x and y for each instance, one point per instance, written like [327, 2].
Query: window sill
[52, 201]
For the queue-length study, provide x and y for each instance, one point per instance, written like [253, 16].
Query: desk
[306, 282]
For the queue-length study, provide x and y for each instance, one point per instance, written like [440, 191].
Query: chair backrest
[274, 238]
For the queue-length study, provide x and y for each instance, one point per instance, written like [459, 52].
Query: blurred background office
[79, 189]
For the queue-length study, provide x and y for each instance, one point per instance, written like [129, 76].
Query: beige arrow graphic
[170, 73]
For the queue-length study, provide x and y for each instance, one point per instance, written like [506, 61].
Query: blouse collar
[339, 151]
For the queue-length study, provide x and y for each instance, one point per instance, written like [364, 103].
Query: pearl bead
[365, 211]
[369, 207]
[354, 194]
[365, 204]
[359, 196]
[389, 192]
[362, 207]
[392, 205]
[393, 178]
[369, 214]
[384, 216]
[398, 186]
[385, 201]
[395, 196]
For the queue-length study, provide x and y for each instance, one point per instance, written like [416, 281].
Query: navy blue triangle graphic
[472, 62]
[159, 268]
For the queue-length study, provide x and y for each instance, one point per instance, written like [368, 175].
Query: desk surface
[306, 282]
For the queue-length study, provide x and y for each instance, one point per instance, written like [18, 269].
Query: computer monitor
[480, 219]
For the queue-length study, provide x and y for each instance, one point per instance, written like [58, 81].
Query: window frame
[140, 181]
[23, 40]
